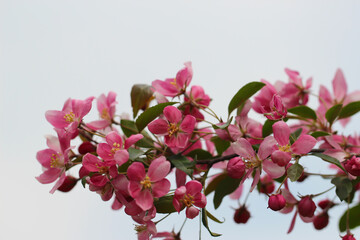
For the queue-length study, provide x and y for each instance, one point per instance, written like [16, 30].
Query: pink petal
[292, 222]
[325, 96]
[243, 148]
[116, 205]
[136, 172]
[44, 157]
[165, 88]
[266, 147]
[58, 183]
[132, 140]
[237, 193]
[144, 200]
[121, 157]
[200, 200]
[177, 205]
[256, 179]
[180, 192]
[192, 212]
[99, 124]
[304, 144]
[158, 126]
[121, 184]
[193, 187]
[184, 76]
[49, 176]
[339, 85]
[56, 118]
[160, 188]
[272, 169]
[181, 140]
[188, 124]
[104, 151]
[281, 158]
[180, 178]
[90, 162]
[53, 143]
[113, 138]
[281, 133]
[159, 168]
[172, 114]
[134, 189]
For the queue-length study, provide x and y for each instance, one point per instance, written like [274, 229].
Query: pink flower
[143, 187]
[172, 87]
[263, 99]
[146, 230]
[54, 159]
[72, 113]
[352, 165]
[283, 154]
[114, 150]
[106, 107]
[197, 99]
[277, 109]
[176, 130]
[189, 196]
[295, 93]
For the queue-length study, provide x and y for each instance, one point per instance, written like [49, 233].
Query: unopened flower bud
[326, 203]
[267, 185]
[236, 167]
[241, 215]
[353, 166]
[321, 221]
[276, 202]
[86, 147]
[68, 184]
[302, 177]
[348, 236]
[306, 207]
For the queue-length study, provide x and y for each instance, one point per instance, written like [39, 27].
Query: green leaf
[83, 181]
[225, 187]
[200, 154]
[134, 153]
[354, 218]
[329, 159]
[267, 128]
[333, 113]
[150, 114]
[129, 128]
[164, 205]
[212, 217]
[206, 224]
[244, 94]
[303, 111]
[214, 183]
[294, 172]
[220, 144]
[295, 135]
[319, 134]
[349, 110]
[183, 163]
[141, 95]
[223, 126]
[343, 187]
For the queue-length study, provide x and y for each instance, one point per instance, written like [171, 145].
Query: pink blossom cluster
[131, 162]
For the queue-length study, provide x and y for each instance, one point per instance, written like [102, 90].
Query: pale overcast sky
[53, 50]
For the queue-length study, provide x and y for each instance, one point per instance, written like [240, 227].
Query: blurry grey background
[53, 50]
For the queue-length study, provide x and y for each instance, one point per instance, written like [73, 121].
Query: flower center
[285, 148]
[105, 114]
[173, 82]
[173, 129]
[55, 161]
[116, 147]
[146, 183]
[188, 200]
[140, 228]
[69, 117]
[102, 169]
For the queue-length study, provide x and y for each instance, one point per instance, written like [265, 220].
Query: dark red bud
[86, 147]
[306, 207]
[241, 215]
[353, 166]
[321, 221]
[267, 185]
[348, 236]
[236, 167]
[302, 177]
[326, 203]
[68, 184]
[276, 202]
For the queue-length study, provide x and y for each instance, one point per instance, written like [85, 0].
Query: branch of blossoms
[130, 161]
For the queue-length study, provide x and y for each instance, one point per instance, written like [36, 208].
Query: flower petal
[188, 124]
[121, 157]
[172, 114]
[56, 118]
[113, 138]
[144, 200]
[266, 147]
[272, 169]
[339, 85]
[132, 140]
[158, 126]
[304, 144]
[159, 168]
[281, 133]
[193, 187]
[281, 158]
[91, 162]
[243, 148]
[104, 151]
[136, 172]
[192, 212]
[160, 188]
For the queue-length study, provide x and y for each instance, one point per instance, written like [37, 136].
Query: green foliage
[303, 111]
[204, 218]
[329, 159]
[354, 218]
[244, 94]
[349, 110]
[294, 172]
[332, 113]
[343, 187]
[224, 188]
[220, 144]
[183, 163]
[164, 205]
[141, 95]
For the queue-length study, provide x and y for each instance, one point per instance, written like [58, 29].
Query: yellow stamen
[173, 129]
[173, 82]
[188, 200]
[69, 117]
[285, 148]
[55, 161]
[146, 183]
[116, 147]
[105, 114]
[102, 169]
